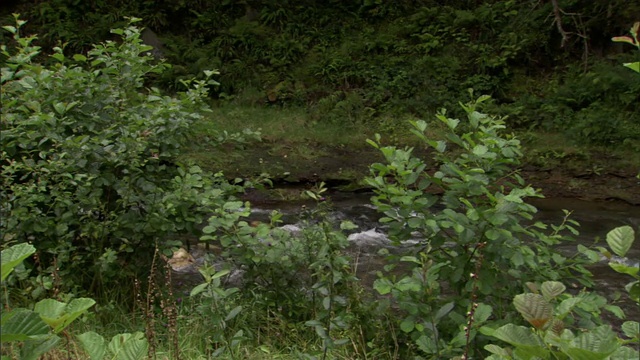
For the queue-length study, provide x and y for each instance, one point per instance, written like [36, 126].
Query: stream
[595, 218]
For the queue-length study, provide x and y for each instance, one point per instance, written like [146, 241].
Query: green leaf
[534, 308]
[620, 239]
[444, 310]
[635, 66]
[551, 289]
[13, 256]
[412, 259]
[129, 346]
[21, 324]
[427, 344]
[94, 344]
[625, 353]
[566, 306]
[59, 315]
[233, 313]
[407, 325]
[79, 57]
[11, 29]
[596, 344]
[495, 349]
[198, 289]
[34, 348]
[347, 225]
[220, 274]
[634, 290]
[624, 269]
[521, 337]
[383, 286]
[631, 329]
[482, 313]
[480, 150]
[60, 108]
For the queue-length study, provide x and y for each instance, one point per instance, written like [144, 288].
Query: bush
[477, 242]
[89, 171]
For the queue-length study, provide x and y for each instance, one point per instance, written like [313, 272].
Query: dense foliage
[90, 181]
[350, 61]
[88, 160]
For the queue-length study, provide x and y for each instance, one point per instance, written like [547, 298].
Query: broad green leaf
[566, 306]
[407, 325]
[427, 344]
[620, 239]
[480, 150]
[129, 346]
[631, 329]
[382, 286]
[625, 353]
[482, 313]
[518, 336]
[551, 289]
[34, 348]
[233, 313]
[232, 205]
[51, 311]
[60, 108]
[444, 310]
[495, 349]
[421, 125]
[634, 290]
[624, 269]
[59, 315]
[198, 289]
[408, 284]
[452, 123]
[595, 344]
[11, 29]
[20, 324]
[534, 308]
[348, 225]
[13, 256]
[220, 274]
[615, 310]
[94, 344]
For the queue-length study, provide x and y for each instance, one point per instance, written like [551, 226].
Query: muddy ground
[601, 178]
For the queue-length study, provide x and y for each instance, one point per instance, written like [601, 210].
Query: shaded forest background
[548, 68]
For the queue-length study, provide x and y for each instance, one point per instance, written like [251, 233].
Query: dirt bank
[599, 179]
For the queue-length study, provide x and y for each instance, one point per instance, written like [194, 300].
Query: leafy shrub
[35, 332]
[544, 309]
[89, 171]
[301, 275]
[476, 239]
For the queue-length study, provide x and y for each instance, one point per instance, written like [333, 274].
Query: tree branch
[558, 21]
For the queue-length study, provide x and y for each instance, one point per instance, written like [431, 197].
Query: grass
[286, 125]
[297, 147]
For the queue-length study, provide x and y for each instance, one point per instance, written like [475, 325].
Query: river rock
[151, 38]
[369, 240]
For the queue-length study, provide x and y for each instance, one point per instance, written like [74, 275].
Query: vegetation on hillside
[548, 65]
[96, 186]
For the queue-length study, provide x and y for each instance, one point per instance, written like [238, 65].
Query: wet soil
[345, 167]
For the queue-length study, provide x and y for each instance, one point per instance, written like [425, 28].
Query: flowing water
[595, 218]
